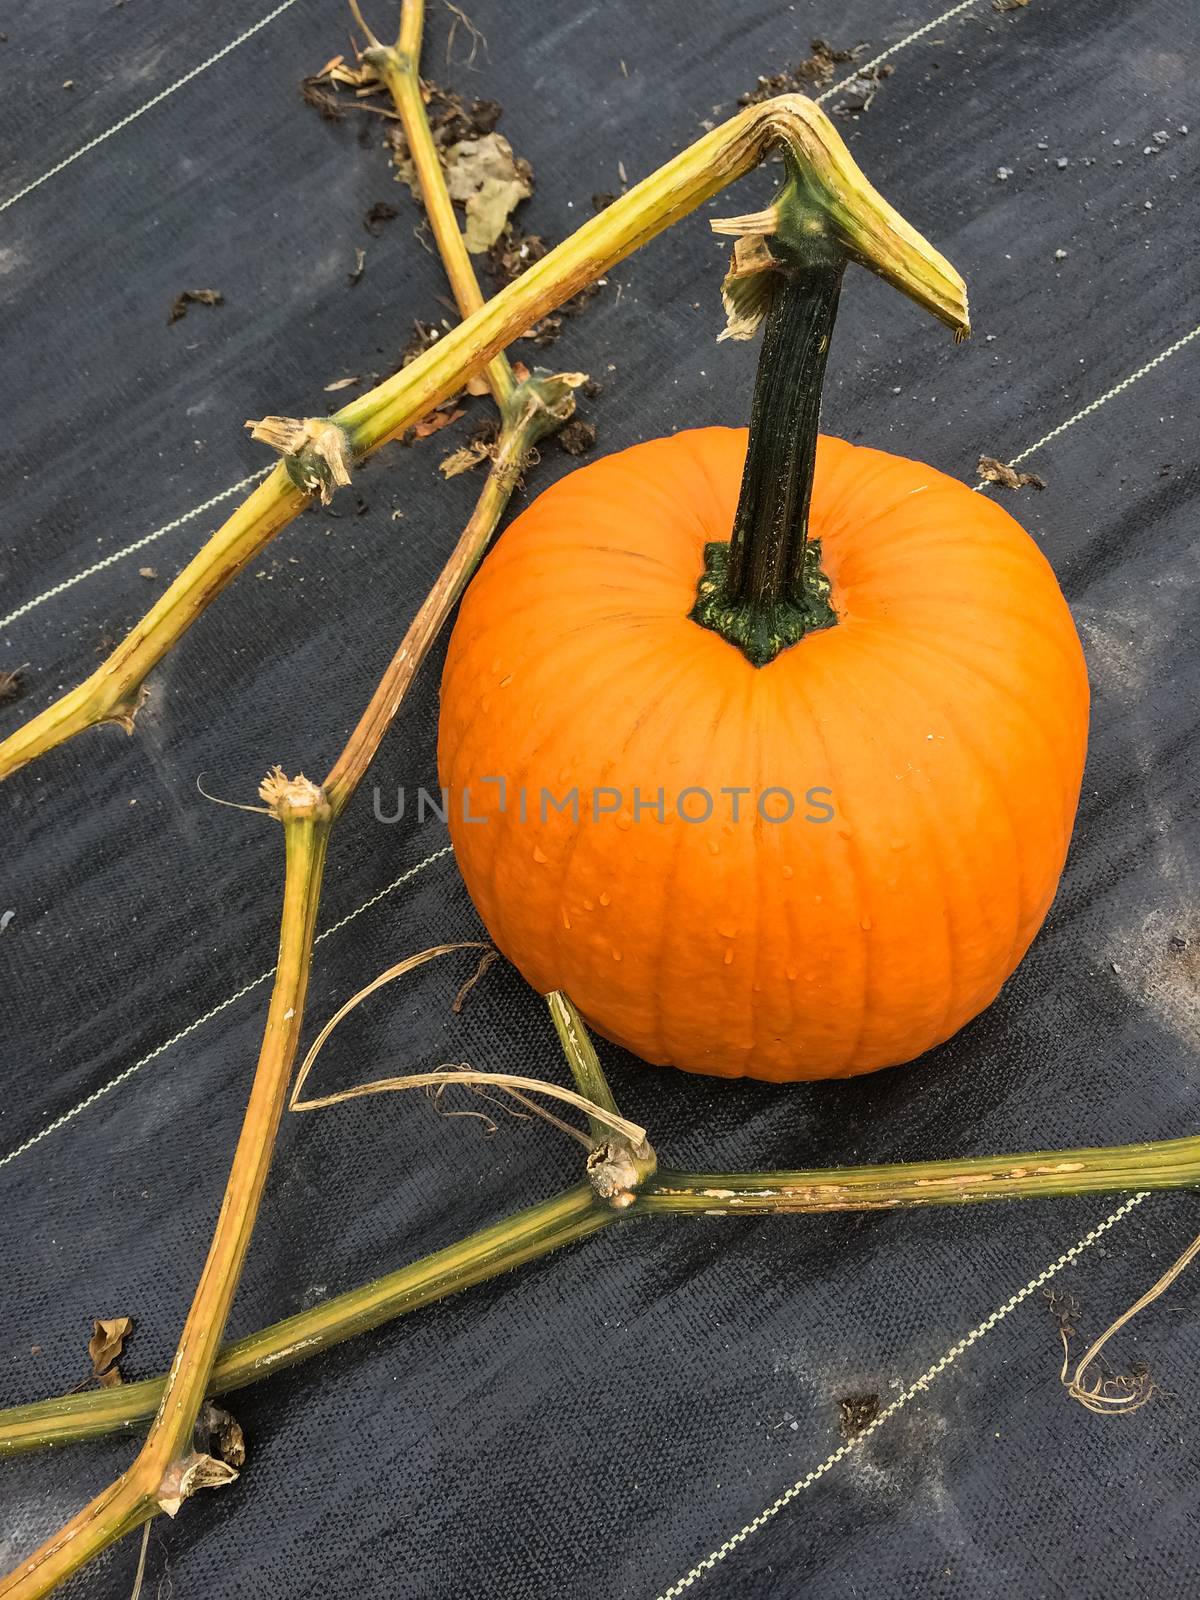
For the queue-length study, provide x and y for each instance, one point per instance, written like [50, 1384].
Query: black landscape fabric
[599, 1423]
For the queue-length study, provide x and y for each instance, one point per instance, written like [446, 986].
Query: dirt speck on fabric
[1157, 964]
[816, 71]
[856, 1413]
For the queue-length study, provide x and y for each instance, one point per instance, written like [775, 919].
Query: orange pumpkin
[945, 718]
[788, 802]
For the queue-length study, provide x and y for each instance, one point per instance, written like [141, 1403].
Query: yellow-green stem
[304, 814]
[525, 1236]
[399, 67]
[873, 234]
[1046, 1174]
[538, 405]
[582, 1059]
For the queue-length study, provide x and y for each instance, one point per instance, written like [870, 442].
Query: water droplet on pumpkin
[714, 847]
[589, 905]
[485, 705]
[865, 924]
[729, 956]
[727, 930]
[566, 918]
[539, 855]
[792, 974]
[788, 872]
[616, 955]
[810, 977]
[505, 680]
[606, 898]
[495, 663]
[624, 822]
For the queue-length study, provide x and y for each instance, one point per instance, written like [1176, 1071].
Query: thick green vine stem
[765, 589]
[578, 1213]
[527, 1235]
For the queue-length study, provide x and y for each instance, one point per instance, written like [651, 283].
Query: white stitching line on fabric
[903, 44]
[223, 1005]
[1101, 400]
[149, 105]
[129, 549]
[714, 1559]
[1119, 388]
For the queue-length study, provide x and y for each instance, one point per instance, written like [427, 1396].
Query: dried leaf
[217, 1430]
[577, 438]
[993, 471]
[381, 211]
[194, 1472]
[748, 286]
[147, 572]
[12, 685]
[463, 460]
[434, 423]
[360, 266]
[327, 106]
[193, 297]
[108, 1340]
[341, 383]
[818, 69]
[861, 90]
[491, 183]
[110, 1379]
[477, 386]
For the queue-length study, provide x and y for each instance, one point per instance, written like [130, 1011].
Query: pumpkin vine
[765, 589]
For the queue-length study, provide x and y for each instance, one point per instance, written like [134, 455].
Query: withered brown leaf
[993, 471]
[434, 423]
[193, 297]
[107, 1342]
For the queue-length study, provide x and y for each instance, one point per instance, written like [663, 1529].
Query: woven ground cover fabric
[597, 1424]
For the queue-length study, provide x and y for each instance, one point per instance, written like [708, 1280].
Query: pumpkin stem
[764, 589]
